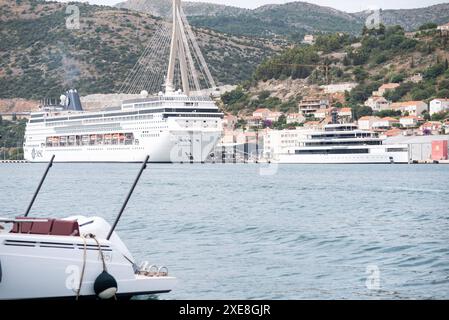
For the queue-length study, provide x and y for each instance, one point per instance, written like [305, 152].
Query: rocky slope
[292, 20]
[97, 57]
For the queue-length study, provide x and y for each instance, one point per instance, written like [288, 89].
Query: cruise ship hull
[167, 148]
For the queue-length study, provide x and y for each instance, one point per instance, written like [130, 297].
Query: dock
[430, 162]
[14, 161]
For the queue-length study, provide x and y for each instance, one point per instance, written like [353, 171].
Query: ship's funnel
[73, 101]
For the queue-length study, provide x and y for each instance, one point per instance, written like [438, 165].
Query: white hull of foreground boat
[50, 267]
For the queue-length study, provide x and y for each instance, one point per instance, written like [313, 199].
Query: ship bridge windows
[190, 115]
[332, 151]
[342, 143]
[36, 120]
[343, 135]
[397, 149]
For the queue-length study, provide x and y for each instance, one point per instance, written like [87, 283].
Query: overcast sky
[345, 5]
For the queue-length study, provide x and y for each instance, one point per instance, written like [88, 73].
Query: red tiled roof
[261, 110]
[369, 118]
[413, 117]
[312, 122]
[390, 119]
[393, 132]
[405, 104]
[389, 86]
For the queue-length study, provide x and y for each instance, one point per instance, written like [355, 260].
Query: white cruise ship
[336, 143]
[168, 128]
[180, 125]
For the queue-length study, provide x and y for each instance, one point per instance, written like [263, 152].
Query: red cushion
[23, 227]
[15, 228]
[65, 228]
[51, 227]
[42, 227]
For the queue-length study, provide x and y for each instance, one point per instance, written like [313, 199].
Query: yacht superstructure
[336, 143]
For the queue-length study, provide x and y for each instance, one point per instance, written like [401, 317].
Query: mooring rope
[85, 237]
[84, 267]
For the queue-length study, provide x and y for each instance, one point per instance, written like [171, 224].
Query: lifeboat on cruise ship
[73, 258]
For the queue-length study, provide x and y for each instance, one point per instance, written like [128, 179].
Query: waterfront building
[410, 121]
[345, 114]
[377, 103]
[229, 122]
[416, 78]
[431, 128]
[411, 108]
[444, 27]
[309, 105]
[438, 105]
[339, 87]
[15, 115]
[295, 118]
[384, 124]
[366, 123]
[309, 39]
[420, 147]
[385, 88]
[265, 114]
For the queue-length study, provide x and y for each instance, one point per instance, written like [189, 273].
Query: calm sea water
[299, 232]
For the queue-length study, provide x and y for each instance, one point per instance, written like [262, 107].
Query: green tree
[233, 96]
[434, 71]
[264, 95]
[281, 123]
[361, 111]
[444, 83]
[360, 74]
[298, 63]
[381, 58]
[440, 116]
[443, 93]
[428, 26]
[388, 113]
[400, 92]
[398, 77]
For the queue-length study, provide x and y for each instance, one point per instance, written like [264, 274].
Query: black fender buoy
[105, 286]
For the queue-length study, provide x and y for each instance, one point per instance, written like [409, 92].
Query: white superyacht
[334, 144]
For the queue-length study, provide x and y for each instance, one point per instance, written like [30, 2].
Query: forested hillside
[377, 57]
[41, 57]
